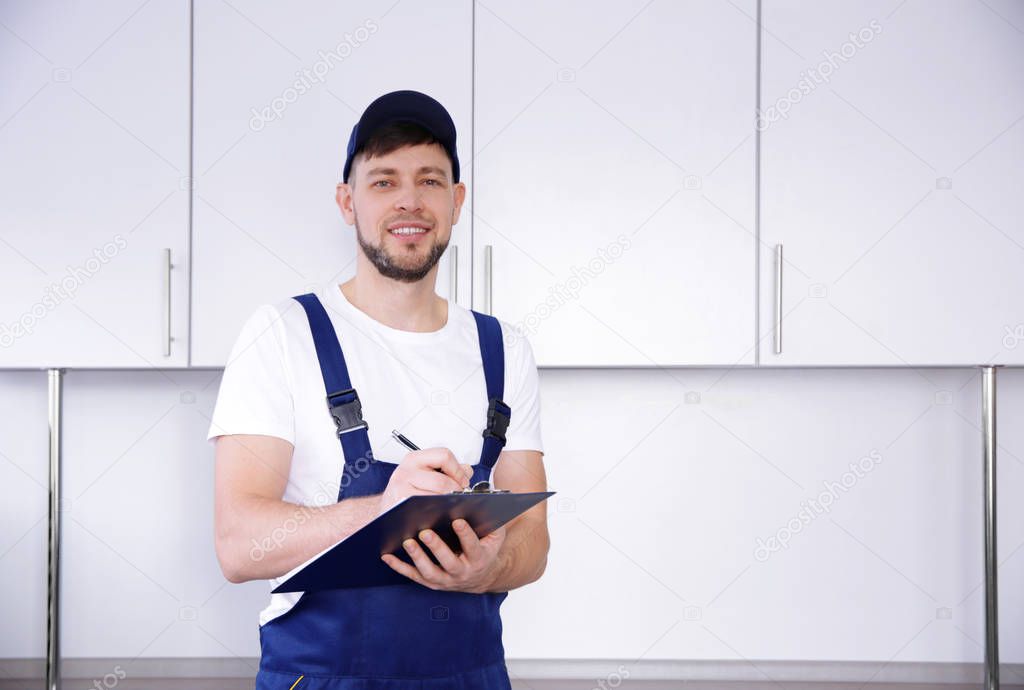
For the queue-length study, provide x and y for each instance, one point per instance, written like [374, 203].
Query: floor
[247, 684]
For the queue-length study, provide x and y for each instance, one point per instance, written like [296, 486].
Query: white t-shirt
[429, 386]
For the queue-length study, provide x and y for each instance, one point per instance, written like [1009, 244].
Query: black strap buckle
[346, 410]
[498, 416]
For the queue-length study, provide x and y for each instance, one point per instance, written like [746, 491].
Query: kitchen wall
[666, 481]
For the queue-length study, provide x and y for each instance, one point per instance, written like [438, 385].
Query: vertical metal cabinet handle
[988, 446]
[453, 281]
[56, 381]
[167, 303]
[488, 273]
[778, 299]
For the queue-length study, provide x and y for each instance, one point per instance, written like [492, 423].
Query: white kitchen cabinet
[276, 95]
[94, 131]
[893, 159]
[810, 516]
[615, 179]
[138, 542]
[24, 512]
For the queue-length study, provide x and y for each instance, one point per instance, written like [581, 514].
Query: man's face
[408, 188]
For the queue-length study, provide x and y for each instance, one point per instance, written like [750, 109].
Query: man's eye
[436, 183]
[380, 182]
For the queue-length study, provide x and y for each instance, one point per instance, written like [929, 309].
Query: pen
[412, 446]
[404, 441]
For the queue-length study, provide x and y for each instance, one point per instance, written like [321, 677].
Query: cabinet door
[24, 513]
[893, 159]
[94, 130]
[809, 517]
[615, 179]
[277, 94]
[138, 541]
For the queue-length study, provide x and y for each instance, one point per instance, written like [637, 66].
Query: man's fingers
[422, 561]
[467, 538]
[445, 556]
[403, 568]
[444, 460]
[433, 482]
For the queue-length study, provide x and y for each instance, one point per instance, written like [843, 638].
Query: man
[390, 354]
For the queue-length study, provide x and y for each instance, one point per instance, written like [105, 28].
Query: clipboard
[355, 561]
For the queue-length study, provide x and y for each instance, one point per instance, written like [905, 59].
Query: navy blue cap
[407, 106]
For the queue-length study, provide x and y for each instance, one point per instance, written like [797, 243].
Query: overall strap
[492, 353]
[342, 399]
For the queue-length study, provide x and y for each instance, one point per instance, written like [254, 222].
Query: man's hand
[427, 471]
[471, 571]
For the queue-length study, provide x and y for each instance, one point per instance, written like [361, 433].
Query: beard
[390, 268]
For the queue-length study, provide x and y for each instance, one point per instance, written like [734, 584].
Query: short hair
[393, 136]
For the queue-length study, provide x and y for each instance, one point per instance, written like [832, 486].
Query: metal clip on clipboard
[481, 488]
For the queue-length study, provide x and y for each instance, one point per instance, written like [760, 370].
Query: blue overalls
[399, 636]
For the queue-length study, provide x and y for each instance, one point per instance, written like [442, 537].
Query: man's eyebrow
[392, 171]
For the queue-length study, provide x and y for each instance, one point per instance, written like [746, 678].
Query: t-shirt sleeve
[522, 387]
[255, 396]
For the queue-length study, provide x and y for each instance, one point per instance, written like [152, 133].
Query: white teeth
[407, 231]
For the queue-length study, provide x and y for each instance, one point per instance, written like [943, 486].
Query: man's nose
[410, 200]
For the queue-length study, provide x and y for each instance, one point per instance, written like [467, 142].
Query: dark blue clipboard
[355, 561]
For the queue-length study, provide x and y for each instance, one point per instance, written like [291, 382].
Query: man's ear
[343, 197]
[460, 196]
